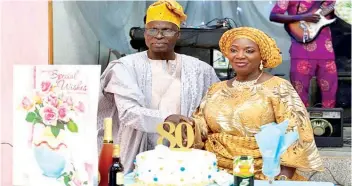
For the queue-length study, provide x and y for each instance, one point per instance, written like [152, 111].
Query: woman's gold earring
[261, 66]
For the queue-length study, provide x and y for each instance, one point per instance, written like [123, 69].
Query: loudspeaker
[327, 126]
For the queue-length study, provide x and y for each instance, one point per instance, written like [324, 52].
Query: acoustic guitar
[305, 32]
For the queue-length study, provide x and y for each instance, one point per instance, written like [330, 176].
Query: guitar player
[315, 58]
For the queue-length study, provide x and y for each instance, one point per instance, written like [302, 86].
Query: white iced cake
[163, 166]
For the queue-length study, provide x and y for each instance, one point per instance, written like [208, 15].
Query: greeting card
[54, 129]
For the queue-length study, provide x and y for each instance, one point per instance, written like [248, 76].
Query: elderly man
[141, 90]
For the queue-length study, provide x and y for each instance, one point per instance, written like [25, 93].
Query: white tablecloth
[129, 180]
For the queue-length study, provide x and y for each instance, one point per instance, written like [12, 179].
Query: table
[129, 181]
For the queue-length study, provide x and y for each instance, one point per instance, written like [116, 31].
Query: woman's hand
[287, 171]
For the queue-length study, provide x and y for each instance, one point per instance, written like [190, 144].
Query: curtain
[111, 21]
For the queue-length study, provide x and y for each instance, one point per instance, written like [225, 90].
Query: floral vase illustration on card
[73, 177]
[51, 114]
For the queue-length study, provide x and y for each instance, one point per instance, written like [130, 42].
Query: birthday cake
[164, 166]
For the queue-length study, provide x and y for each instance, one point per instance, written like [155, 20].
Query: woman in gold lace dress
[233, 111]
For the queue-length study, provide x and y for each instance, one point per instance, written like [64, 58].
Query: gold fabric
[269, 51]
[228, 118]
[166, 10]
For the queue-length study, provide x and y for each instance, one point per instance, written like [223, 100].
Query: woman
[233, 111]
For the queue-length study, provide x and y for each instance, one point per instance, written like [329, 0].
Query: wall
[24, 40]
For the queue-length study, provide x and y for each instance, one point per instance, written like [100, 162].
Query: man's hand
[175, 118]
[310, 17]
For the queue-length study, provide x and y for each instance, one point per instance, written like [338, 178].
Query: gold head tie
[166, 10]
[269, 51]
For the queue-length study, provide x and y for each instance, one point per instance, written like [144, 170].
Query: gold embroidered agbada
[228, 118]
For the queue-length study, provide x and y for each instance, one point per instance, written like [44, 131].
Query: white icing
[165, 166]
[222, 178]
[162, 151]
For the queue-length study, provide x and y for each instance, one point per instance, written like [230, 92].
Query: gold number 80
[174, 135]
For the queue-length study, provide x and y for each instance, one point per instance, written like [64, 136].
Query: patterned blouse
[229, 117]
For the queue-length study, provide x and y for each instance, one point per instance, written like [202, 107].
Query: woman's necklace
[236, 83]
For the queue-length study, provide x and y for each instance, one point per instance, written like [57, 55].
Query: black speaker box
[327, 126]
[190, 37]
